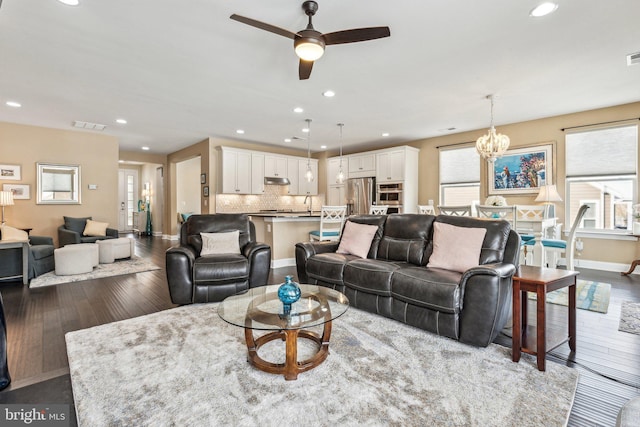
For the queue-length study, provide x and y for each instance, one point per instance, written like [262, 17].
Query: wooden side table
[539, 339]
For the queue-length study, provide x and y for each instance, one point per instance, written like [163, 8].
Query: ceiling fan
[309, 44]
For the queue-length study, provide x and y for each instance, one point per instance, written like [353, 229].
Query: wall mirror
[58, 184]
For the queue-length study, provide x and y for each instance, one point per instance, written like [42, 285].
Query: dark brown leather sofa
[393, 280]
[198, 279]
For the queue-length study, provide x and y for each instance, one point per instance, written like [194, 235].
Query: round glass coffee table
[259, 309]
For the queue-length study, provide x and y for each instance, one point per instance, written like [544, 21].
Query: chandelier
[340, 176]
[493, 144]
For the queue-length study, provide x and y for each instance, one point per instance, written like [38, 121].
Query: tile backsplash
[274, 197]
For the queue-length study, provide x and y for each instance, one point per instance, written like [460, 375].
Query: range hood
[272, 180]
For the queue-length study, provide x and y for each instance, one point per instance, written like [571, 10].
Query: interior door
[127, 198]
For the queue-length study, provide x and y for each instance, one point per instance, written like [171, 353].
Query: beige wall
[97, 155]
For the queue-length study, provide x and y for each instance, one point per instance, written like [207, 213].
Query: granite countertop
[288, 214]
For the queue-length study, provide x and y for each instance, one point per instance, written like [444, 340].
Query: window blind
[459, 165]
[602, 152]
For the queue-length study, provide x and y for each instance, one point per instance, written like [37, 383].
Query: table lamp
[6, 199]
[549, 194]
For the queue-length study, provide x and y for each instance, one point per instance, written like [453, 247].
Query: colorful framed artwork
[20, 191]
[522, 170]
[10, 172]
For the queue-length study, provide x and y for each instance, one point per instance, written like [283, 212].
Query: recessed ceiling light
[385, 134]
[298, 110]
[329, 93]
[240, 131]
[324, 147]
[13, 104]
[121, 121]
[145, 148]
[70, 2]
[305, 130]
[287, 140]
[543, 9]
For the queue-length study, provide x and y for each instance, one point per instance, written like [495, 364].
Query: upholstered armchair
[40, 258]
[73, 231]
[218, 256]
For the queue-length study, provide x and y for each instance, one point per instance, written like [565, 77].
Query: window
[602, 173]
[459, 176]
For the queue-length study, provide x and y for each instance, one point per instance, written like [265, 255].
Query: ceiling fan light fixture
[308, 48]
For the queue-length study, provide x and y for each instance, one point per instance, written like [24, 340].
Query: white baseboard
[170, 237]
[285, 262]
[604, 266]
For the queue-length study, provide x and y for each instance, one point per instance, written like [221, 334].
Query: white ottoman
[113, 249]
[629, 415]
[76, 259]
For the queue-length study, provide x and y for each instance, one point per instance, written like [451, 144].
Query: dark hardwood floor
[37, 319]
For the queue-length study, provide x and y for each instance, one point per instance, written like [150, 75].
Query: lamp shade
[548, 193]
[6, 198]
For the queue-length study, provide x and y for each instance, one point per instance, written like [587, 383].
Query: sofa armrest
[485, 302]
[259, 256]
[41, 240]
[67, 237]
[112, 232]
[305, 250]
[179, 266]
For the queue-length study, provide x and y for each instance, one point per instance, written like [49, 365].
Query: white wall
[188, 186]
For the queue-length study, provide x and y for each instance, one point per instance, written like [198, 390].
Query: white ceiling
[180, 70]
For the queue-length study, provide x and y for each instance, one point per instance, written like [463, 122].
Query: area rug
[630, 317]
[187, 367]
[120, 267]
[592, 296]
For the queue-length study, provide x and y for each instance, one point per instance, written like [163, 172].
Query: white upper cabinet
[236, 171]
[293, 174]
[333, 167]
[305, 187]
[275, 166]
[257, 173]
[361, 165]
[390, 166]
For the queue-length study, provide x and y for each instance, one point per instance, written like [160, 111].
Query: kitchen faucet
[310, 208]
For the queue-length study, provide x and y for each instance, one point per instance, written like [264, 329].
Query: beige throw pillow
[356, 239]
[95, 228]
[220, 243]
[456, 248]
[10, 233]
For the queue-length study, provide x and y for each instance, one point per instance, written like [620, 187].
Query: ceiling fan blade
[356, 35]
[304, 70]
[263, 26]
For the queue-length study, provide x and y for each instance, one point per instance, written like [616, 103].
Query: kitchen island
[282, 230]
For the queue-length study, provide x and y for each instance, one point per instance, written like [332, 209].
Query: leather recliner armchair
[194, 278]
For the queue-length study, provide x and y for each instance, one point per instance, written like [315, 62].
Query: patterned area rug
[118, 268]
[592, 296]
[630, 317]
[185, 366]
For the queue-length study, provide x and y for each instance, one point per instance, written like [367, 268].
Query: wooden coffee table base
[291, 368]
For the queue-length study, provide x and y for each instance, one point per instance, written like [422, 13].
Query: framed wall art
[522, 170]
[10, 172]
[20, 191]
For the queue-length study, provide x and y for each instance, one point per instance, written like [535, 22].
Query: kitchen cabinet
[390, 166]
[257, 173]
[362, 165]
[305, 187]
[236, 171]
[336, 195]
[294, 175]
[333, 167]
[275, 166]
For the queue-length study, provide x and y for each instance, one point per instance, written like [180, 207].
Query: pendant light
[340, 176]
[493, 144]
[309, 174]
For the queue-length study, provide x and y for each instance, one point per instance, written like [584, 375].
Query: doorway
[127, 198]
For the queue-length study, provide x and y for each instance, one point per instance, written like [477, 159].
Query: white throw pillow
[356, 239]
[10, 233]
[220, 243]
[95, 228]
[456, 248]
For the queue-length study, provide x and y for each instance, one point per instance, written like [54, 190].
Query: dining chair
[426, 209]
[507, 213]
[331, 222]
[525, 214]
[463, 210]
[378, 209]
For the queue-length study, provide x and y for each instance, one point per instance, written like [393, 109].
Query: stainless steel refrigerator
[361, 194]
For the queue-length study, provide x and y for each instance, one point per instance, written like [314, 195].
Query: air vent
[633, 58]
[89, 126]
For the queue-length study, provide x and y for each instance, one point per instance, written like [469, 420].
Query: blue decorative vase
[288, 293]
